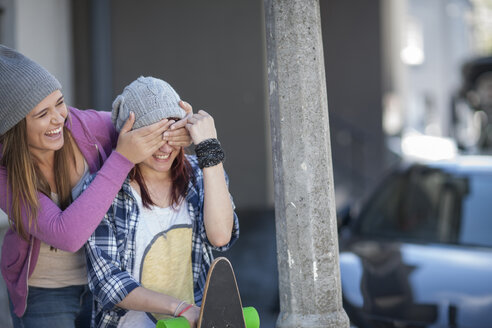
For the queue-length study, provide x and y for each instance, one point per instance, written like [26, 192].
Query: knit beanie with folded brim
[23, 85]
[151, 100]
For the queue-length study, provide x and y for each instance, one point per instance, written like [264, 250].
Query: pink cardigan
[69, 229]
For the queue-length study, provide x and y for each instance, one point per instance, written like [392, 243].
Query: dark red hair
[181, 174]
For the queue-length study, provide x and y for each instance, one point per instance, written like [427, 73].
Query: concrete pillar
[307, 242]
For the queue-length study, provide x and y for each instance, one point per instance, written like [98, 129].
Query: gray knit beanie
[23, 84]
[150, 99]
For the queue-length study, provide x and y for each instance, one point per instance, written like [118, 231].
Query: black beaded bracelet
[209, 153]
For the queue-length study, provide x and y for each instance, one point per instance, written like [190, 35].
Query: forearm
[143, 299]
[218, 212]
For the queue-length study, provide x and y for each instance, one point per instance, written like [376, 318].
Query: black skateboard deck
[221, 304]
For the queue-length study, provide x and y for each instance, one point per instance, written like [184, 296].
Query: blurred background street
[406, 79]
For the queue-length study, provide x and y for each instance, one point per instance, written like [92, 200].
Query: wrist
[122, 153]
[189, 306]
[209, 152]
[199, 140]
[178, 308]
[122, 160]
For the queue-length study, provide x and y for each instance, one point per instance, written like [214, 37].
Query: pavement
[253, 256]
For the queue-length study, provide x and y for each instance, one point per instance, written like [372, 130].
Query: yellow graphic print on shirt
[166, 265]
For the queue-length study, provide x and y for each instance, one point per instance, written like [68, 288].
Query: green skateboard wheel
[251, 319]
[180, 322]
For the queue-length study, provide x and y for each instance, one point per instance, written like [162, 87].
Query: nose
[57, 117]
[166, 148]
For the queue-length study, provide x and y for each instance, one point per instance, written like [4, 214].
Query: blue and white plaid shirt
[111, 250]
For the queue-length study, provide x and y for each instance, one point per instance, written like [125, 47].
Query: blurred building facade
[390, 66]
[214, 54]
[425, 45]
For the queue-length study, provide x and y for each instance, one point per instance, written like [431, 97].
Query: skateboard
[221, 304]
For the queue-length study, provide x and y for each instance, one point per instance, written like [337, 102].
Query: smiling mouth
[54, 132]
[164, 156]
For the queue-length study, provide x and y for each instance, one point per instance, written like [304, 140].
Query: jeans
[67, 307]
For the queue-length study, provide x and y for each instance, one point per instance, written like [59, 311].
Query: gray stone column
[307, 242]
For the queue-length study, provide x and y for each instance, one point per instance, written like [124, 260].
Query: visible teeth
[162, 156]
[55, 131]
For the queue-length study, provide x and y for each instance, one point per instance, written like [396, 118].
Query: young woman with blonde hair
[47, 151]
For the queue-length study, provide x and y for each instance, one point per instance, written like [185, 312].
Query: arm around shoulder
[69, 229]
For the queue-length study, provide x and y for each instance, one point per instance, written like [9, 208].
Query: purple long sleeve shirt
[69, 229]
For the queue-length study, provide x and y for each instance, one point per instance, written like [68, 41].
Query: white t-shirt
[163, 257]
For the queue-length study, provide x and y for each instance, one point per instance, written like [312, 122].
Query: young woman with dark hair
[149, 257]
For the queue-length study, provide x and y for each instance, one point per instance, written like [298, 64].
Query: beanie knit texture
[23, 85]
[151, 100]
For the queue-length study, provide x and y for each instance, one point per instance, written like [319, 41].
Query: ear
[119, 115]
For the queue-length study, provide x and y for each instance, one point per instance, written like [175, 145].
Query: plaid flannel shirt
[111, 250]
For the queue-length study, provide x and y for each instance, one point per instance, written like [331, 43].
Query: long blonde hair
[25, 179]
